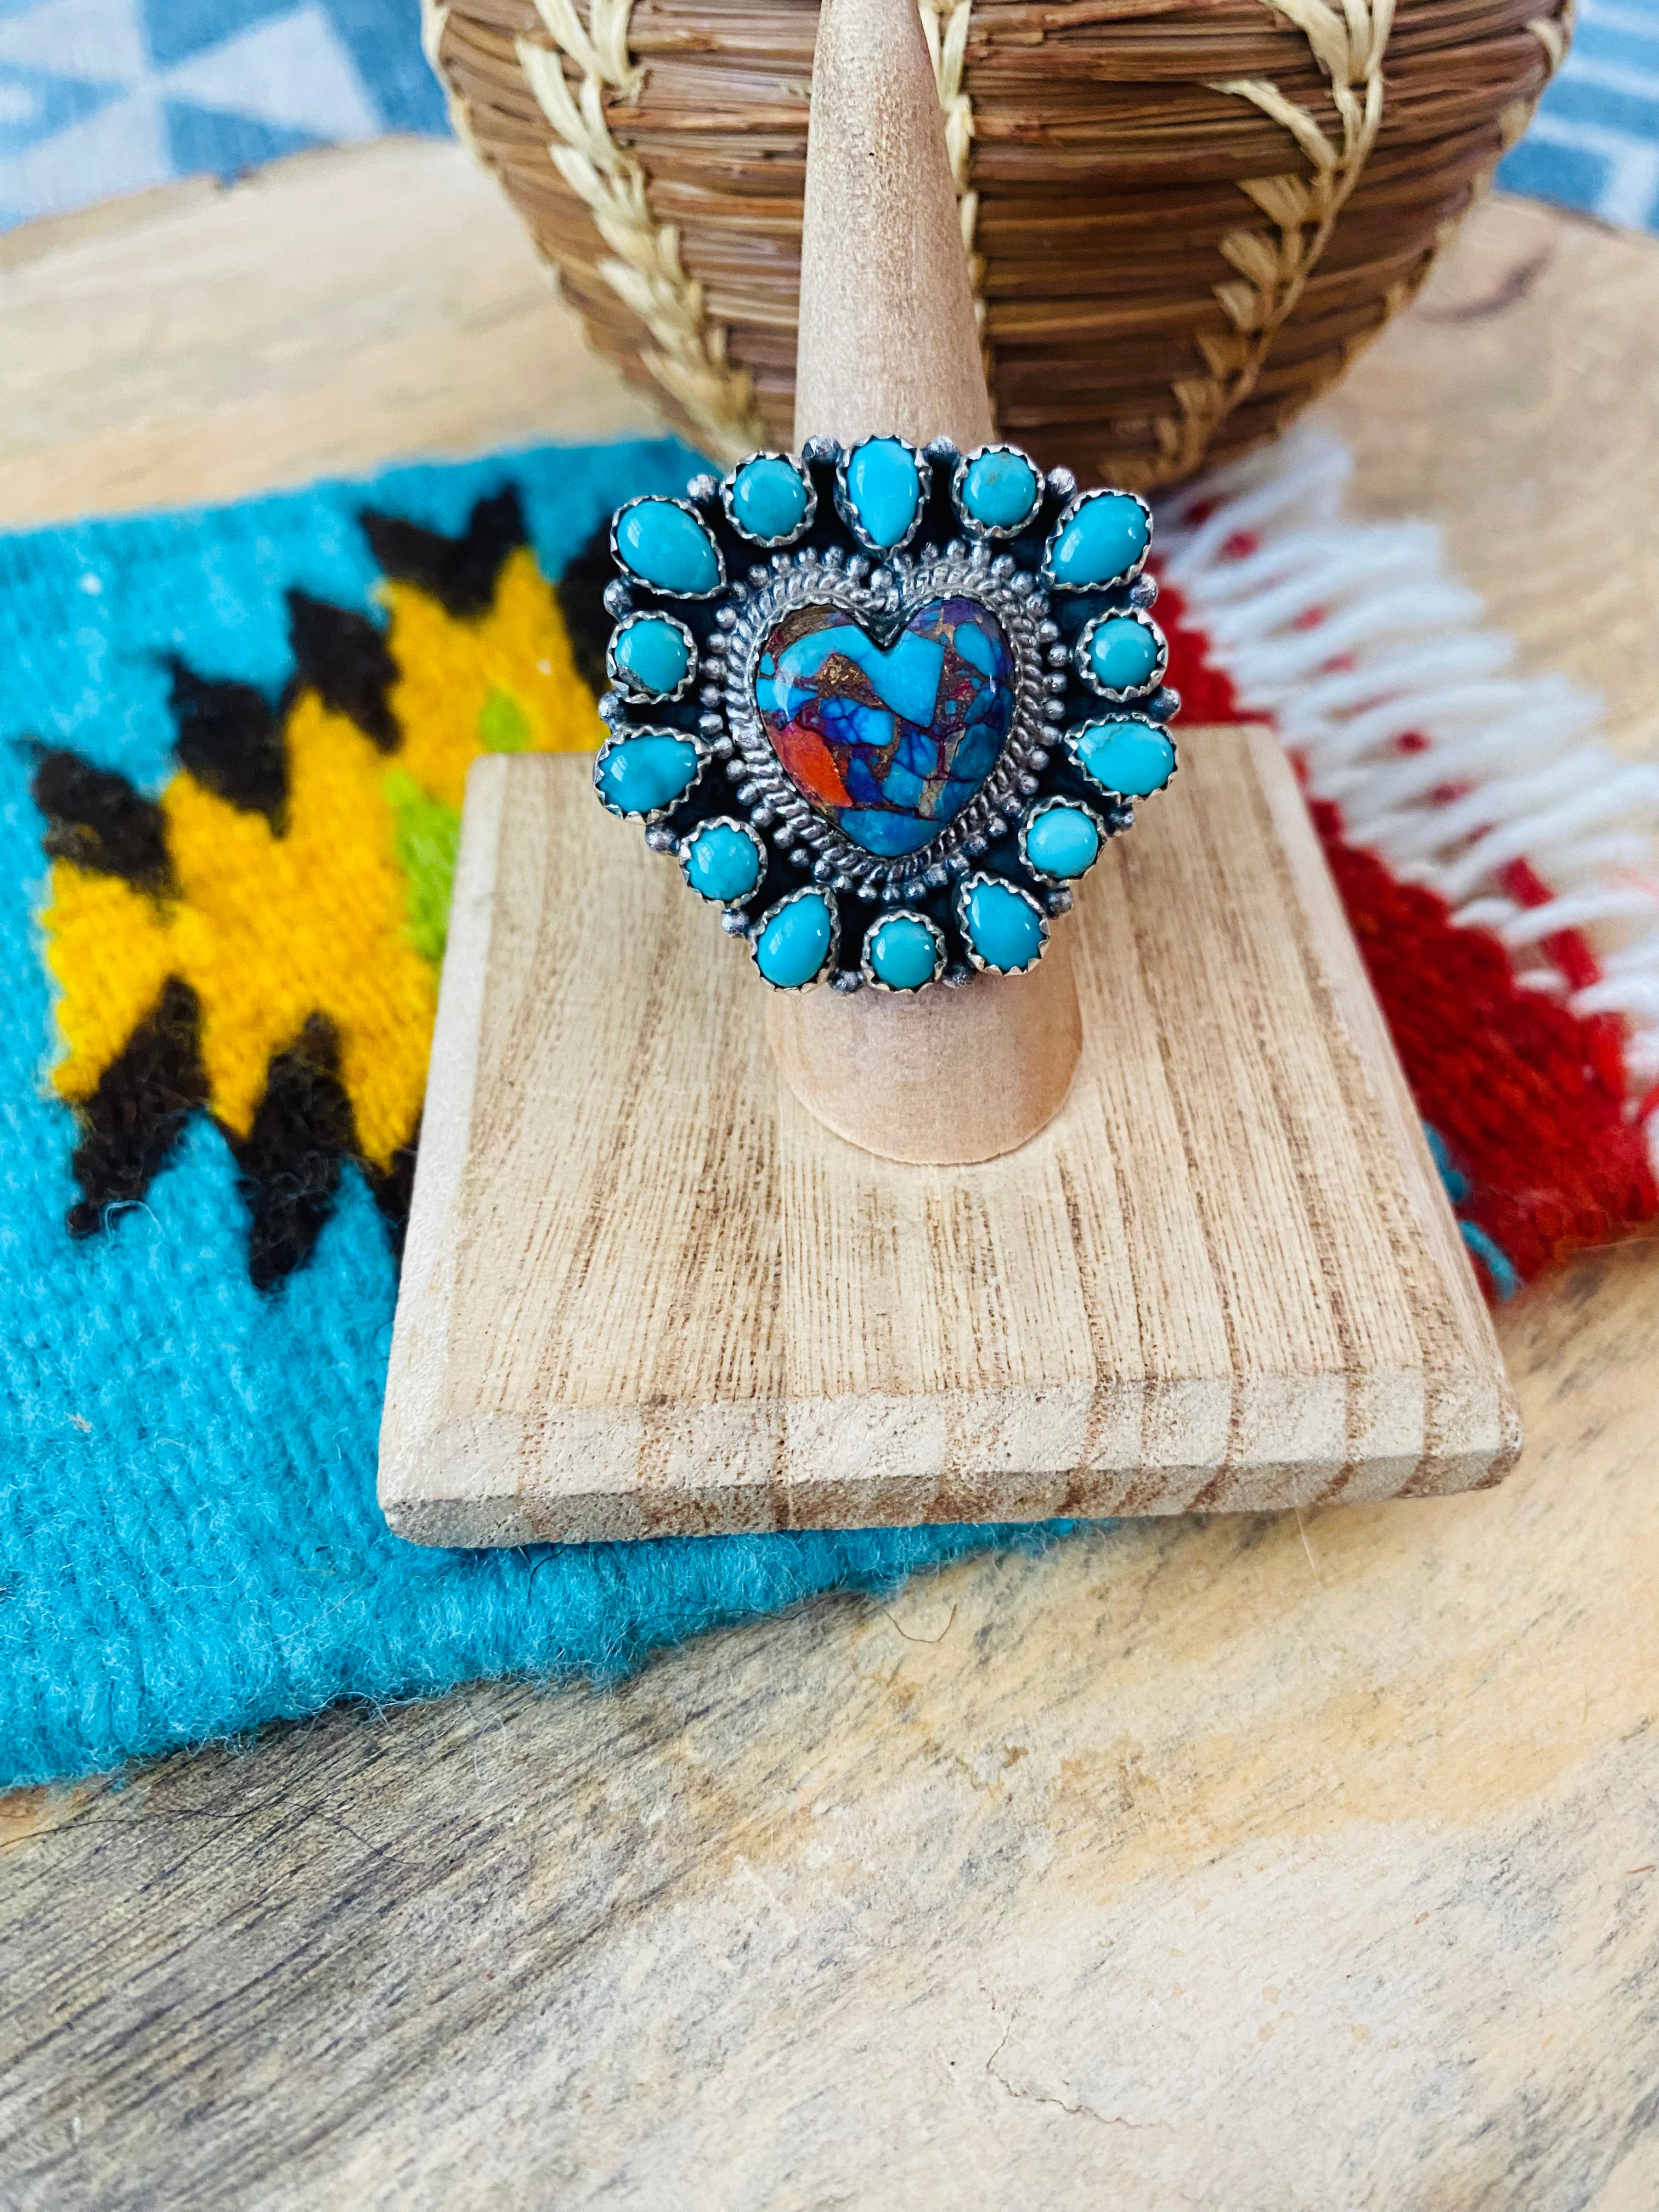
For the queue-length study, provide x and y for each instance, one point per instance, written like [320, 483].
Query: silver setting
[626, 737]
[958, 481]
[941, 951]
[630, 686]
[1069, 512]
[882, 602]
[1130, 799]
[848, 512]
[1017, 890]
[728, 485]
[824, 891]
[1080, 654]
[1046, 806]
[639, 583]
[683, 853]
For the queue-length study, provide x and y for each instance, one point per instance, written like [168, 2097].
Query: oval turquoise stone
[1062, 840]
[999, 490]
[884, 489]
[795, 944]
[653, 656]
[903, 952]
[668, 547]
[1131, 758]
[722, 862]
[1003, 926]
[769, 497]
[1123, 653]
[1102, 542]
[642, 774]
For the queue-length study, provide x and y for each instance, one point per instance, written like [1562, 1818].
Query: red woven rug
[1488, 851]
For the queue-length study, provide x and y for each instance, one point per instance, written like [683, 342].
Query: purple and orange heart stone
[888, 742]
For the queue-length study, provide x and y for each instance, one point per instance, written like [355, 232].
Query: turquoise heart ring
[888, 751]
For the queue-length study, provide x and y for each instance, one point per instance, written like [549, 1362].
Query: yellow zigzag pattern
[340, 914]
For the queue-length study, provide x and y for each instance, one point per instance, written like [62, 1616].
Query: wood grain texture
[268, 356]
[645, 1294]
[888, 342]
[887, 339]
[1277, 1864]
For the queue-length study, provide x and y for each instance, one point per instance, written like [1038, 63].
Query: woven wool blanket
[234, 748]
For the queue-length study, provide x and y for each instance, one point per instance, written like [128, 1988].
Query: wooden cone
[889, 343]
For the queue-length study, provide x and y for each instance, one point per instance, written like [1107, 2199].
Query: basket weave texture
[1183, 218]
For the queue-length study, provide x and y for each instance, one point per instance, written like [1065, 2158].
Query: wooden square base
[645, 1293]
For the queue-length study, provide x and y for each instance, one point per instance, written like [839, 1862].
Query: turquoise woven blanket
[233, 749]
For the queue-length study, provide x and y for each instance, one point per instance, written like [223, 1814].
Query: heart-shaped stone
[888, 742]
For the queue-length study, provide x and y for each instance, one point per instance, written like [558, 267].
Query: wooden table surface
[1241, 1864]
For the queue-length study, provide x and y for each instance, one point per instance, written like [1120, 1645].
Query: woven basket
[1184, 217]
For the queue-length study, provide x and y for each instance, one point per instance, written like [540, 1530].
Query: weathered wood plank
[1249, 1863]
[640, 1299]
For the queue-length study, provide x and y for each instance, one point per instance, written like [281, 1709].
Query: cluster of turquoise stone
[877, 732]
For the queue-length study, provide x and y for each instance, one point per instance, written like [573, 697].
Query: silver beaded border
[883, 599]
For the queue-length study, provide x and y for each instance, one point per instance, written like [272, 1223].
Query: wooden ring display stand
[645, 1291]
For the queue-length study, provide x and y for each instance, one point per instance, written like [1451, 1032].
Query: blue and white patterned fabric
[1594, 141]
[99, 97]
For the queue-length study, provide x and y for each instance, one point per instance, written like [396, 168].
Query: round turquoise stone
[1003, 926]
[1123, 653]
[769, 498]
[1062, 840]
[903, 952]
[1102, 542]
[884, 489]
[653, 654]
[667, 547]
[720, 861]
[641, 775]
[1132, 758]
[795, 943]
[999, 490]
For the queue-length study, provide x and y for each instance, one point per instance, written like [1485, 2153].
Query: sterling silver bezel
[996, 529]
[683, 853]
[627, 684]
[882, 601]
[625, 736]
[848, 512]
[826, 966]
[1068, 513]
[941, 950]
[638, 583]
[1130, 799]
[1080, 655]
[1046, 806]
[728, 486]
[959, 908]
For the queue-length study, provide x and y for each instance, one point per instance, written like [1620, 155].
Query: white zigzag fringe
[1351, 636]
